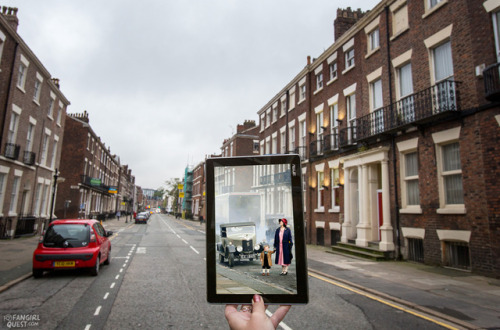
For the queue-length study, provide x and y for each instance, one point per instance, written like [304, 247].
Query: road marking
[282, 324]
[112, 285]
[385, 302]
[124, 265]
[192, 248]
[106, 296]
[201, 231]
[97, 311]
[117, 277]
[121, 270]
[184, 241]
[141, 250]
[88, 326]
[178, 235]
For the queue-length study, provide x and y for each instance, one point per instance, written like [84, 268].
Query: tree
[172, 191]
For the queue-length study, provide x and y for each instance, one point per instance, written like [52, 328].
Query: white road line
[97, 311]
[106, 296]
[192, 248]
[112, 285]
[201, 231]
[178, 235]
[282, 324]
[184, 241]
[124, 265]
[88, 327]
[121, 270]
[120, 257]
[117, 277]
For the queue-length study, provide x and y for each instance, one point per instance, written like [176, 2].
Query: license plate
[64, 264]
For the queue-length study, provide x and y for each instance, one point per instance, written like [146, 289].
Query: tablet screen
[255, 230]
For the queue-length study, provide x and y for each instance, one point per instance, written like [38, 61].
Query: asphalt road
[156, 280]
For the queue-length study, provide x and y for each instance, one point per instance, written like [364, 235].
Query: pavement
[464, 299]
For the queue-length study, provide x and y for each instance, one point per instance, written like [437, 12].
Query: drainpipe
[393, 140]
[286, 124]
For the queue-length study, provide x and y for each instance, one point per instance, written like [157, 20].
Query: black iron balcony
[12, 151]
[426, 105]
[347, 136]
[266, 179]
[29, 158]
[492, 82]
[316, 148]
[283, 177]
[331, 142]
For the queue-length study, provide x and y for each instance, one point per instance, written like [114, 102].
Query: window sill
[432, 10]
[320, 210]
[291, 108]
[459, 209]
[411, 210]
[336, 209]
[21, 89]
[318, 90]
[50, 117]
[372, 52]
[331, 81]
[399, 33]
[36, 102]
[12, 214]
[301, 101]
[348, 69]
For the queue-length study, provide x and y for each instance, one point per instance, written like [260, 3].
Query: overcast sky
[165, 82]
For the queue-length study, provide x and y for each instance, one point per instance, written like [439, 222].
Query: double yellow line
[383, 301]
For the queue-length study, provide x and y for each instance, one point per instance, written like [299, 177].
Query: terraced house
[397, 124]
[32, 114]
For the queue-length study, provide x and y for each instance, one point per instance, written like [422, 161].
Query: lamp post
[56, 175]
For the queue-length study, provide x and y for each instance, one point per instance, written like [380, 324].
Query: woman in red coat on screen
[283, 245]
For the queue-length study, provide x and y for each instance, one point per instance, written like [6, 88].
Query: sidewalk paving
[467, 299]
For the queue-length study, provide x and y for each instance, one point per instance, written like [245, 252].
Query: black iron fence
[12, 151]
[491, 77]
[25, 226]
[29, 158]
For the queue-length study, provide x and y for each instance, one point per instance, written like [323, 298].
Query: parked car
[71, 244]
[141, 218]
[238, 243]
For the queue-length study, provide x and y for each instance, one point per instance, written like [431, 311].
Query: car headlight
[239, 248]
[257, 247]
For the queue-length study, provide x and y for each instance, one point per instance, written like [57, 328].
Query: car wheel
[231, 259]
[221, 258]
[95, 270]
[37, 273]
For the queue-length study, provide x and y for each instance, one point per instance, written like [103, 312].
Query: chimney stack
[56, 82]
[346, 18]
[10, 14]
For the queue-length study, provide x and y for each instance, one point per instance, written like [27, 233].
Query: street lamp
[56, 175]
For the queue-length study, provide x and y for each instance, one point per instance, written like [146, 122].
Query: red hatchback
[70, 244]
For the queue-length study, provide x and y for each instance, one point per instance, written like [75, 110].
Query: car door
[102, 240]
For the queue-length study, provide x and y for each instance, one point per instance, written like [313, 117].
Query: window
[411, 178]
[50, 112]
[14, 195]
[292, 138]
[457, 255]
[444, 89]
[29, 137]
[38, 192]
[262, 121]
[2, 42]
[21, 76]
[302, 92]
[333, 70]
[45, 146]
[377, 103]
[303, 137]
[275, 113]
[275, 145]
[433, 3]
[406, 106]
[319, 81]
[321, 192]
[349, 59]
[268, 117]
[334, 129]
[12, 133]
[38, 89]
[292, 99]
[399, 11]
[319, 132]
[255, 146]
[451, 196]
[283, 106]
[416, 249]
[351, 117]
[283, 142]
[373, 40]
[54, 154]
[335, 186]
[59, 115]
[3, 178]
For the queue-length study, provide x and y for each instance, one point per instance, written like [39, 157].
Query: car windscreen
[241, 230]
[67, 236]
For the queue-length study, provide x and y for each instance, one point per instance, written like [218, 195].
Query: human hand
[254, 316]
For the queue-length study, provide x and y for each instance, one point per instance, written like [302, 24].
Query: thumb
[258, 304]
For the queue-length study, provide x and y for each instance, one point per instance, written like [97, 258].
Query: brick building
[32, 119]
[398, 135]
[92, 186]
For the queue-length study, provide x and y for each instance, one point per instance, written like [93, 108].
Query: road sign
[181, 195]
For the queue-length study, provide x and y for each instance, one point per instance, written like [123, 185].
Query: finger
[230, 309]
[279, 315]
[258, 304]
[246, 308]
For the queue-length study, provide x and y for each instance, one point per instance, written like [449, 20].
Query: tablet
[248, 250]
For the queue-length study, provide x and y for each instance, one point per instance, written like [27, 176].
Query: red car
[70, 244]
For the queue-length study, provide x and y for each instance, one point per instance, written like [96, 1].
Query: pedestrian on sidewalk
[283, 246]
[118, 215]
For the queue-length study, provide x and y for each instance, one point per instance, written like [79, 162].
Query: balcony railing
[12, 151]
[29, 158]
[282, 177]
[347, 136]
[492, 82]
[266, 179]
[440, 98]
[331, 141]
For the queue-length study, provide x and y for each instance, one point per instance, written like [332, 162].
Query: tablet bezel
[301, 297]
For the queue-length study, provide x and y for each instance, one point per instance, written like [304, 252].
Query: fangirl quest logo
[19, 321]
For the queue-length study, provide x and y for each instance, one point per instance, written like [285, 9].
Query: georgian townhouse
[33, 111]
[126, 191]
[397, 124]
[91, 173]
